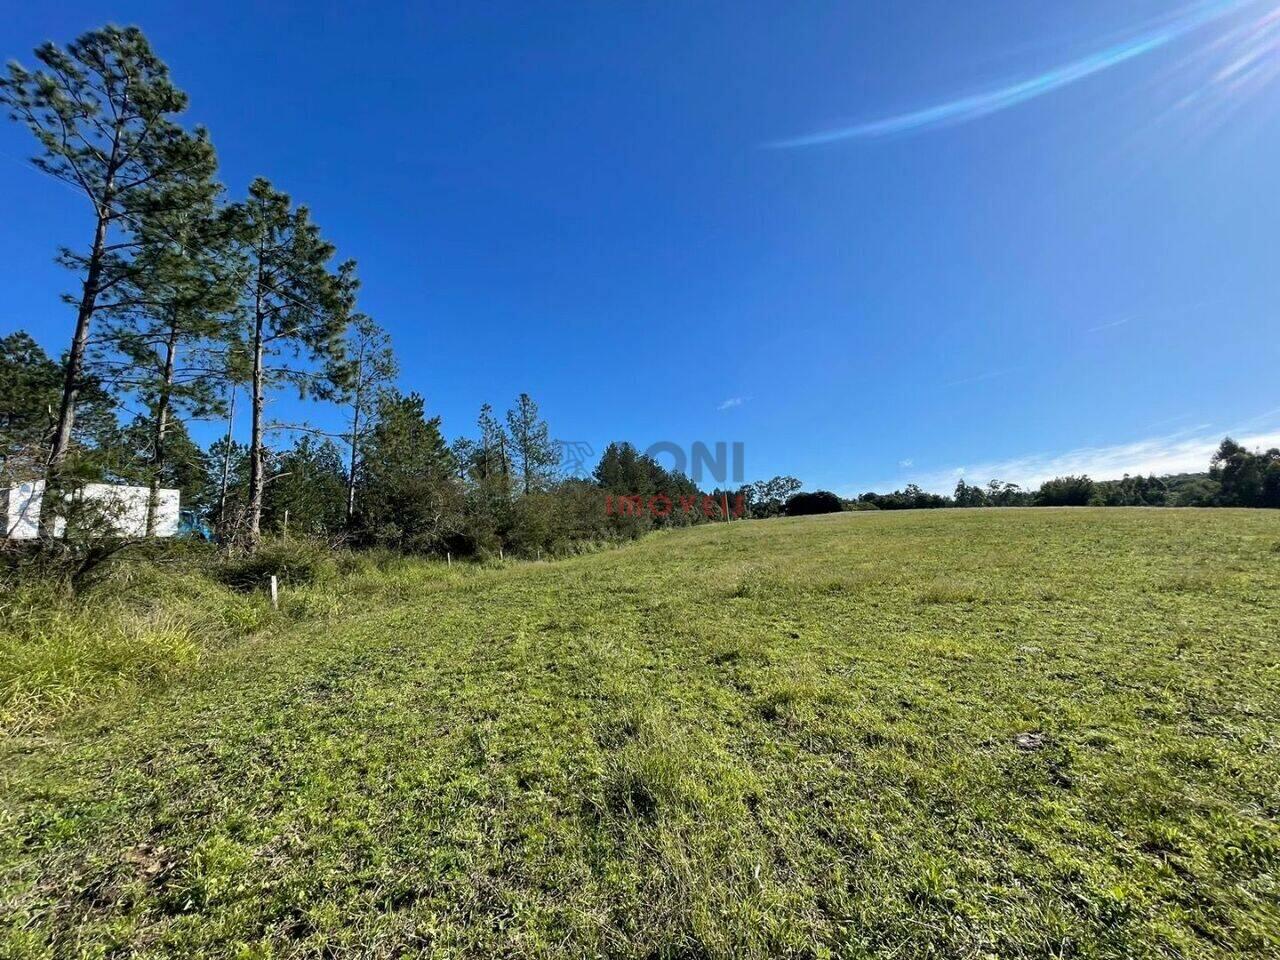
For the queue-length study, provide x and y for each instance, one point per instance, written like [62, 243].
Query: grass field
[1049, 733]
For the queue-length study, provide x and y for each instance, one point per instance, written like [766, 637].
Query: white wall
[126, 507]
[22, 510]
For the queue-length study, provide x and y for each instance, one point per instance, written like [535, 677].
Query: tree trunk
[162, 424]
[72, 376]
[75, 359]
[257, 481]
[355, 435]
[351, 473]
[226, 465]
[526, 468]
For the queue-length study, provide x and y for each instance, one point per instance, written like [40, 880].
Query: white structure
[22, 510]
[125, 508]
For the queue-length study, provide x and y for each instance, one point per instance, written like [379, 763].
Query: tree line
[390, 478]
[1237, 477]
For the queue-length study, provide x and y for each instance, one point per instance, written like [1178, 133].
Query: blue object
[191, 524]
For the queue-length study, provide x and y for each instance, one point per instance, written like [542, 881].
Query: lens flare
[979, 105]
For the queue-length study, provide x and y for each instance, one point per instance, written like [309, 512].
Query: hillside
[954, 733]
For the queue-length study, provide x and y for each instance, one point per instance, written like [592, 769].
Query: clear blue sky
[688, 221]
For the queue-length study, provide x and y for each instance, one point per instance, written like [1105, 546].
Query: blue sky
[876, 243]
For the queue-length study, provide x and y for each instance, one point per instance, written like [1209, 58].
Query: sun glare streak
[1262, 35]
[1217, 79]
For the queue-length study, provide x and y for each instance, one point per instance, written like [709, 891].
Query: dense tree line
[400, 483]
[1237, 477]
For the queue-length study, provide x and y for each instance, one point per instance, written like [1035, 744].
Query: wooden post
[448, 558]
[726, 508]
[286, 525]
[275, 593]
[501, 555]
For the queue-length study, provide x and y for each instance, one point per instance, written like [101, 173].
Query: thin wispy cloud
[1108, 326]
[980, 377]
[1179, 452]
[731, 403]
[978, 105]
[904, 464]
[1255, 422]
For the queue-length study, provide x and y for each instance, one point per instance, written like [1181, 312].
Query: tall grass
[150, 619]
[139, 625]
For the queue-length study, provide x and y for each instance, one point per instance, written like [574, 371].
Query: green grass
[793, 737]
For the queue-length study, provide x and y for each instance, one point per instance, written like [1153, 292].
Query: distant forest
[1236, 477]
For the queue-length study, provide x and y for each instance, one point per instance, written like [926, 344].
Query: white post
[275, 593]
[448, 558]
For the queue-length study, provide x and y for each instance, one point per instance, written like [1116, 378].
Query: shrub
[1065, 492]
[292, 561]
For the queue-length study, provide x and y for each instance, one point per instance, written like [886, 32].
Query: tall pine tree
[296, 311]
[169, 328]
[534, 452]
[365, 368]
[103, 112]
[409, 492]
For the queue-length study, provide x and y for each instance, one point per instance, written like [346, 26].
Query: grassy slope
[781, 737]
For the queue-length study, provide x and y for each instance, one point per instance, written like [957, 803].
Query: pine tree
[231, 460]
[296, 310]
[29, 388]
[409, 492]
[310, 490]
[366, 368]
[533, 451]
[185, 467]
[493, 465]
[168, 335]
[102, 111]
[486, 469]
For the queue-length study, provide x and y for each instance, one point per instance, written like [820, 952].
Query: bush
[1065, 492]
[294, 561]
[806, 504]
